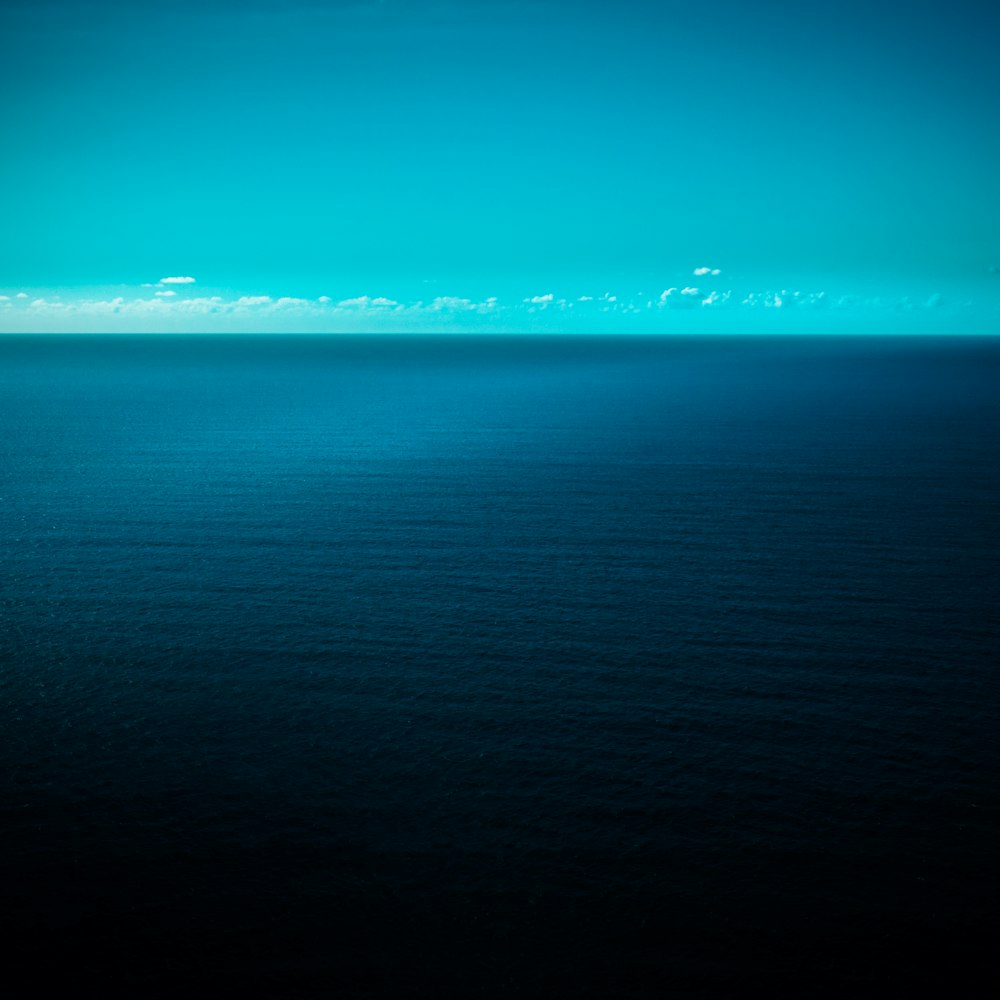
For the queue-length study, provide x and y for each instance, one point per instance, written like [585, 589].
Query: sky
[503, 165]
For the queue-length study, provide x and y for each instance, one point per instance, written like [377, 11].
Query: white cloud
[181, 280]
[717, 300]
[451, 303]
[701, 271]
[367, 302]
[681, 298]
[200, 305]
[166, 310]
[101, 307]
[785, 299]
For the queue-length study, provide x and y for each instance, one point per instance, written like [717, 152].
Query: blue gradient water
[396, 666]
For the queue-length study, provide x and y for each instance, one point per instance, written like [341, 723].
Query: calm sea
[487, 666]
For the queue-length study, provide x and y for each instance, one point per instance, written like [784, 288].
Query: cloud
[681, 298]
[717, 300]
[367, 302]
[181, 280]
[102, 307]
[199, 306]
[167, 310]
[451, 303]
[785, 299]
[701, 271]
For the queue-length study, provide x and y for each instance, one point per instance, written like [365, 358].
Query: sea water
[360, 666]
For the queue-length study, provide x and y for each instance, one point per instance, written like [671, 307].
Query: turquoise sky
[500, 165]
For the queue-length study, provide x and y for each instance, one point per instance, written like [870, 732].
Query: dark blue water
[484, 666]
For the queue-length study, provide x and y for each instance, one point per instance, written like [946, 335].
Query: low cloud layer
[678, 307]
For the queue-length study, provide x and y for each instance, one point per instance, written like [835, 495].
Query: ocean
[499, 666]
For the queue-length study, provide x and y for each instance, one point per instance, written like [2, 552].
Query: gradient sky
[382, 164]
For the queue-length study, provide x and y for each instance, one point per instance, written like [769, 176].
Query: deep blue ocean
[487, 666]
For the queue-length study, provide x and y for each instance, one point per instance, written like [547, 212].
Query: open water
[489, 666]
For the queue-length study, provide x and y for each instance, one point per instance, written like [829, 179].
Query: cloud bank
[678, 308]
